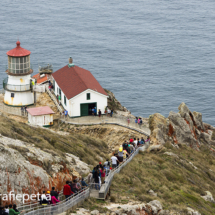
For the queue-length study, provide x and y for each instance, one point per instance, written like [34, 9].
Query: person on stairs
[114, 161]
[14, 208]
[43, 199]
[54, 200]
[12, 211]
[2, 211]
[67, 190]
[6, 209]
[54, 193]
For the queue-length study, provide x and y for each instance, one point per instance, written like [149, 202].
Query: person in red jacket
[67, 190]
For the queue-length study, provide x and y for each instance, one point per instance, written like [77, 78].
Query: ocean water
[151, 54]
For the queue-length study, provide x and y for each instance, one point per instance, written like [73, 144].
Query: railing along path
[54, 99]
[80, 196]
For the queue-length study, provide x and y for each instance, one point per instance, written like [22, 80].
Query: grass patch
[86, 148]
[177, 182]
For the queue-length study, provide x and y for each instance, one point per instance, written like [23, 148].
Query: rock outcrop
[208, 197]
[184, 127]
[28, 169]
[152, 208]
[113, 103]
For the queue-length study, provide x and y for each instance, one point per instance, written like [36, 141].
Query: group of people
[138, 120]
[94, 111]
[49, 197]
[99, 172]
[73, 187]
[108, 111]
[24, 110]
[51, 87]
[127, 148]
[9, 210]
[97, 175]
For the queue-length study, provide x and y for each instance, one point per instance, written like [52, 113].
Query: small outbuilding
[42, 116]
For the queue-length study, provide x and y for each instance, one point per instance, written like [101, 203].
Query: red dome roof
[18, 51]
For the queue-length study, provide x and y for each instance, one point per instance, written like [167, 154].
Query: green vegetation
[213, 135]
[178, 183]
[86, 148]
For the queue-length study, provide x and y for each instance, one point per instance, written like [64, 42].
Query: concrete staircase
[52, 96]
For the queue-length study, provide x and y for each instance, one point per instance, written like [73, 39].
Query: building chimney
[71, 64]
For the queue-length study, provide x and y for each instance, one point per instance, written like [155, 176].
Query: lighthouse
[18, 86]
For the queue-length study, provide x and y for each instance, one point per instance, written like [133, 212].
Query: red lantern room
[19, 61]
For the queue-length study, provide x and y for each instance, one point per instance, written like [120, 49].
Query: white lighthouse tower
[18, 87]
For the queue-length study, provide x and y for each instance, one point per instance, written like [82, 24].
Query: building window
[12, 95]
[19, 65]
[54, 86]
[59, 92]
[88, 96]
[65, 100]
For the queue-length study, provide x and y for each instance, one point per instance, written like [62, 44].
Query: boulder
[208, 197]
[152, 193]
[155, 206]
[81, 167]
[155, 148]
[192, 212]
[95, 212]
[171, 154]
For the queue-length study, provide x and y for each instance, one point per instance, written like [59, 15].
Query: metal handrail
[80, 196]
[31, 205]
[61, 206]
[18, 88]
[54, 99]
[105, 187]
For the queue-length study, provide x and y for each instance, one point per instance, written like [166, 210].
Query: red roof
[74, 80]
[37, 111]
[18, 51]
[39, 79]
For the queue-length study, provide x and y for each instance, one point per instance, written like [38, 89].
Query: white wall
[40, 88]
[56, 92]
[19, 80]
[73, 105]
[95, 97]
[19, 99]
[42, 120]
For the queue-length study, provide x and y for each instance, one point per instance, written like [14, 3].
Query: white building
[18, 87]
[79, 90]
[42, 116]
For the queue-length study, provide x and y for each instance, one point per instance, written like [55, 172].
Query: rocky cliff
[184, 127]
[28, 169]
[113, 103]
[33, 159]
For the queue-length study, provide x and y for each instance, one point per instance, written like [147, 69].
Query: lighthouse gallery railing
[16, 88]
